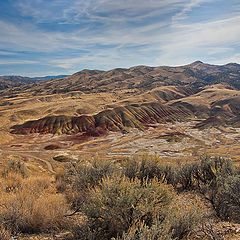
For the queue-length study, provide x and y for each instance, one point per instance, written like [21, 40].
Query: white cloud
[74, 10]
[186, 9]
[7, 62]
[214, 41]
[167, 41]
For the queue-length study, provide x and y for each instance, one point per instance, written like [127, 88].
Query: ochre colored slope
[223, 112]
[117, 119]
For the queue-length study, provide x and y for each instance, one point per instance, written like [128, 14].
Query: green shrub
[213, 169]
[131, 168]
[186, 176]
[205, 175]
[80, 177]
[227, 199]
[149, 168]
[185, 214]
[119, 203]
[158, 231]
[89, 174]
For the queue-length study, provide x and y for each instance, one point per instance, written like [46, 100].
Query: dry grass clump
[11, 183]
[33, 208]
[30, 204]
[15, 166]
[4, 233]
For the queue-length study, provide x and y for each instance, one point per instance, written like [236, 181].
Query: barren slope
[117, 119]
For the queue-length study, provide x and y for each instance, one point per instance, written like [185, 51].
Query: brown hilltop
[195, 75]
[7, 82]
[217, 104]
[204, 102]
[168, 93]
[117, 119]
[224, 112]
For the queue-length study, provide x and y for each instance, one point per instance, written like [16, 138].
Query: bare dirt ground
[178, 142]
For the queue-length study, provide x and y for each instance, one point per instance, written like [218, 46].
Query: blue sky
[48, 37]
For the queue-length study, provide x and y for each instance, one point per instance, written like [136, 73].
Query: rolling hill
[195, 75]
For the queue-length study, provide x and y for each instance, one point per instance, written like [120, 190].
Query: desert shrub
[83, 231]
[209, 230]
[4, 233]
[227, 199]
[33, 208]
[131, 168]
[211, 170]
[184, 215]
[217, 180]
[119, 203]
[89, 175]
[14, 166]
[170, 175]
[157, 231]
[205, 175]
[149, 168]
[83, 175]
[186, 176]
[80, 177]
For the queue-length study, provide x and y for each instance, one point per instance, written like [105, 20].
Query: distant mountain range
[49, 77]
[140, 77]
[196, 74]
[15, 81]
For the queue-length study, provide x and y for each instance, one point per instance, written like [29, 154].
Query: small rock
[64, 236]
[238, 230]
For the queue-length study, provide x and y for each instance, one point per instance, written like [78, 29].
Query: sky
[52, 37]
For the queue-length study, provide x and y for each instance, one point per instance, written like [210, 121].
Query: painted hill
[216, 104]
[117, 119]
[223, 112]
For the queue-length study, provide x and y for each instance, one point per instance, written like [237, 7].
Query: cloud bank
[41, 37]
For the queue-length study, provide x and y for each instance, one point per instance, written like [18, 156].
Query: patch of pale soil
[179, 141]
